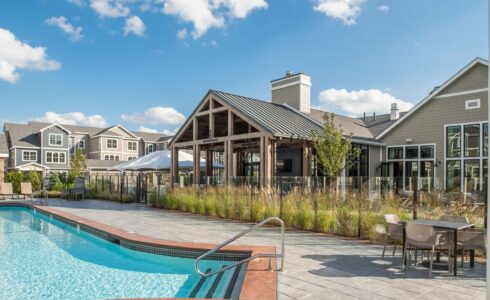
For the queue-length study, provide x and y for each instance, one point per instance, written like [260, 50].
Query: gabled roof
[279, 120]
[56, 125]
[25, 135]
[112, 132]
[433, 94]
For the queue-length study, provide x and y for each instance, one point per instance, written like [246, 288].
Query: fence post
[359, 207]
[315, 203]
[415, 197]
[280, 198]
[120, 184]
[96, 180]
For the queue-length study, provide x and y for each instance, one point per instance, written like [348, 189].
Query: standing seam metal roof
[280, 120]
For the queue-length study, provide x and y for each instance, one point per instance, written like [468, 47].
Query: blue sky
[146, 63]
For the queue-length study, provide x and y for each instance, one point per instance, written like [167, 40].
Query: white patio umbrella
[160, 160]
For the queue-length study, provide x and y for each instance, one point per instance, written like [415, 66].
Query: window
[472, 140]
[412, 152]
[472, 104]
[81, 144]
[471, 175]
[395, 153]
[106, 157]
[426, 151]
[116, 158]
[55, 157]
[131, 157]
[453, 176]
[453, 141]
[55, 139]
[111, 143]
[150, 148]
[411, 171]
[29, 155]
[132, 146]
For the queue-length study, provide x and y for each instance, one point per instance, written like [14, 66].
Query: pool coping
[259, 281]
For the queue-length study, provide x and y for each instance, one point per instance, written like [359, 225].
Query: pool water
[42, 258]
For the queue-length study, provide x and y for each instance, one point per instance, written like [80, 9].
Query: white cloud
[206, 14]
[384, 8]
[110, 8]
[155, 116]
[345, 10]
[182, 34]
[134, 25]
[146, 129]
[355, 103]
[199, 12]
[79, 3]
[15, 54]
[240, 8]
[74, 33]
[165, 131]
[72, 118]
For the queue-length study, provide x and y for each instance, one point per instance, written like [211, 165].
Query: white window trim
[462, 158]
[55, 163]
[107, 143]
[150, 146]
[418, 160]
[55, 134]
[467, 102]
[30, 151]
[81, 140]
[135, 148]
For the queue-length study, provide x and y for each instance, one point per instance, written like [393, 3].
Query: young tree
[78, 165]
[333, 149]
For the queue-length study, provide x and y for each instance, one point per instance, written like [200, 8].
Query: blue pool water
[42, 258]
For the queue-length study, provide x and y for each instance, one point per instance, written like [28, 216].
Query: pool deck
[318, 266]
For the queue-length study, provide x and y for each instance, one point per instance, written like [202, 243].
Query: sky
[145, 64]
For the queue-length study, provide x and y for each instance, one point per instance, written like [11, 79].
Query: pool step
[221, 285]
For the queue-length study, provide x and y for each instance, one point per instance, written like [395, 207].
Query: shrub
[326, 221]
[304, 217]
[15, 178]
[35, 179]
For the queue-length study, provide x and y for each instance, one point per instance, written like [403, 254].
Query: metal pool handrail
[270, 255]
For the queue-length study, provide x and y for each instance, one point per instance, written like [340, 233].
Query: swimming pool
[44, 258]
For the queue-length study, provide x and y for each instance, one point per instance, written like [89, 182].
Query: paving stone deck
[318, 266]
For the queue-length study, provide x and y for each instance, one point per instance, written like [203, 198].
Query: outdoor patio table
[447, 226]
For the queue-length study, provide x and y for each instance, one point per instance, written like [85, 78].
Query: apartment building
[48, 147]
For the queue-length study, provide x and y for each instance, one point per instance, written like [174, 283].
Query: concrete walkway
[318, 266]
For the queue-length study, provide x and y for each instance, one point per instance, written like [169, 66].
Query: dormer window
[111, 143]
[55, 139]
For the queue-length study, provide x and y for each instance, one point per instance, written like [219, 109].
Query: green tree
[333, 149]
[35, 179]
[78, 165]
[55, 182]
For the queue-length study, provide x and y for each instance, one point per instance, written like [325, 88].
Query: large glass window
[453, 176]
[471, 175]
[395, 153]
[426, 151]
[453, 140]
[485, 139]
[411, 171]
[472, 140]
[411, 152]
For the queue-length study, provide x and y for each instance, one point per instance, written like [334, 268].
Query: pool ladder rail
[208, 273]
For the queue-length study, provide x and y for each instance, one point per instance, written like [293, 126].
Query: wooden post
[174, 168]
[197, 164]
[415, 195]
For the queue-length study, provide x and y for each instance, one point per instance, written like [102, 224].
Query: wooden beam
[237, 137]
[174, 167]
